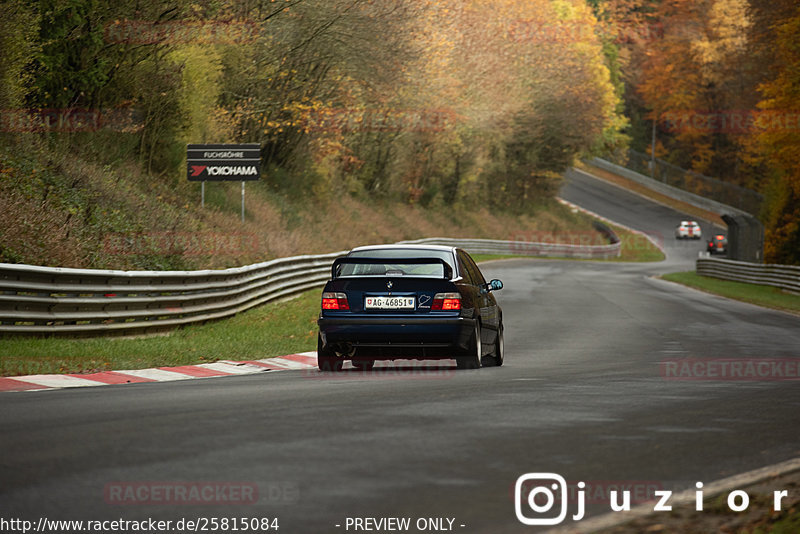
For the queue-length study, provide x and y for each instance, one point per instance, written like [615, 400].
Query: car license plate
[389, 303]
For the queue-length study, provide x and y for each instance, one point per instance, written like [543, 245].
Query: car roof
[411, 246]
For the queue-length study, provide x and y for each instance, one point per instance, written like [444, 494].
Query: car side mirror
[494, 285]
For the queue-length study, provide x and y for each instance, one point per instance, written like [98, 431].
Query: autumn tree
[429, 101]
[475, 99]
[19, 44]
[777, 136]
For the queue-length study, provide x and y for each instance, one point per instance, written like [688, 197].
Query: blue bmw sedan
[409, 302]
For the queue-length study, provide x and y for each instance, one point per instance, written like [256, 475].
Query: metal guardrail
[526, 248]
[42, 300]
[665, 189]
[51, 300]
[786, 277]
[719, 190]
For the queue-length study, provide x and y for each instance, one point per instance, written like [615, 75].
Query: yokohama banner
[217, 163]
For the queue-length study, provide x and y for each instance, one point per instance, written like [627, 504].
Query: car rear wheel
[472, 360]
[496, 357]
[327, 359]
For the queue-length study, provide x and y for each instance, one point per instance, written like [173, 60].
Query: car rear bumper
[397, 337]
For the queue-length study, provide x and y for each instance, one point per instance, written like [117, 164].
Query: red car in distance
[718, 244]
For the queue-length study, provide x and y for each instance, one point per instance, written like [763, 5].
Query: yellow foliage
[200, 88]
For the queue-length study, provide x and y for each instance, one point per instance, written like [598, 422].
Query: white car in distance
[688, 230]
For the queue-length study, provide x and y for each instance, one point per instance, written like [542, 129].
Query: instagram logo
[540, 493]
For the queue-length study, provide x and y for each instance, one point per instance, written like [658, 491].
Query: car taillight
[446, 301]
[335, 301]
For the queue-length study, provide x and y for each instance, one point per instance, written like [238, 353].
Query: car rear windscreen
[394, 265]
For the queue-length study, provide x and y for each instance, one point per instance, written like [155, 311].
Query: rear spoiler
[350, 260]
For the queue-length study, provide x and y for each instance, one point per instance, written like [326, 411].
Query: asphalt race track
[581, 395]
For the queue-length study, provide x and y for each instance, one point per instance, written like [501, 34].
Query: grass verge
[263, 332]
[767, 296]
[636, 247]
